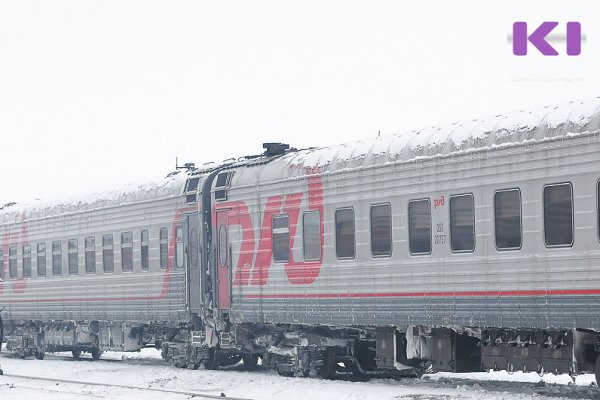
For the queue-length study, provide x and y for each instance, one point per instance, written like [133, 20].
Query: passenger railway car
[460, 248]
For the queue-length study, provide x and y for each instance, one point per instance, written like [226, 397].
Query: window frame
[450, 223]
[89, 249]
[554, 246]
[428, 200]
[353, 233]
[44, 257]
[126, 246]
[391, 219]
[108, 247]
[145, 257]
[12, 257]
[70, 252]
[518, 190]
[23, 257]
[304, 214]
[273, 233]
[58, 250]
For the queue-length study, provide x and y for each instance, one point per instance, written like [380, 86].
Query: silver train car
[461, 248]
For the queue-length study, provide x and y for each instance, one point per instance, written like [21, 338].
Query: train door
[194, 263]
[223, 260]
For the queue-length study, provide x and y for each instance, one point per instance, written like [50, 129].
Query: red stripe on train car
[506, 293]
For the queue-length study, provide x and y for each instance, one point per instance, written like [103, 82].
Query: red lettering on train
[298, 272]
[265, 245]
[438, 202]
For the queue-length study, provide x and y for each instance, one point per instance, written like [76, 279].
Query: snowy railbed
[146, 369]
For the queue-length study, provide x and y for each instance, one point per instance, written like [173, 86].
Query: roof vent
[275, 149]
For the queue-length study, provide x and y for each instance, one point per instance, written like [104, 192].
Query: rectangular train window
[462, 223]
[507, 219]
[311, 235]
[281, 238]
[164, 248]
[144, 243]
[73, 257]
[191, 189]
[381, 230]
[179, 253]
[419, 227]
[90, 255]
[127, 251]
[12, 262]
[2, 265]
[56, 258]
[41, 259]
[344, 233]
[27, 261]
[223, 182]
[108, 253]
[558, 215]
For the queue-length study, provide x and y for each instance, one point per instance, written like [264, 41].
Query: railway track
[191, 394]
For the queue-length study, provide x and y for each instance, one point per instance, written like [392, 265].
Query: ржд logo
[539, 39]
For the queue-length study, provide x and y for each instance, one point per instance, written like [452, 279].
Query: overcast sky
[99, 93]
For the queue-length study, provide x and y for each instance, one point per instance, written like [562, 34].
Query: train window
[12, 262]
[223, 182]
[1, 266]
[127, 251]
[179, 253]
[223, 245]
[164, 248]
[73, 257]
[41, 259]
[311, 235]
[462, 223]
[598, 207]
[191, 189]
[558, 215]
[419, 227]
[507, 219]
[90, 255]
[108, 253]
[344, 233]
[194, 249]
[381, 230]
[144, 246]
[56, 258]
[27, 261]
[281, 238]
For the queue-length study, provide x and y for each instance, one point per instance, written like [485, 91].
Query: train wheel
[96, 353]
[213, 361]
[39, 355]
[327, 371]
[76, 354]
[250, 360]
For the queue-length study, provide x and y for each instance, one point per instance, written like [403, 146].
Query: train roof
[169, 187]
[548, 123]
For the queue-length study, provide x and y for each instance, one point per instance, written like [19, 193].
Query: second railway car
[461, 248]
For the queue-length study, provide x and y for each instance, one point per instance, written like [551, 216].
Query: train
[467, 247]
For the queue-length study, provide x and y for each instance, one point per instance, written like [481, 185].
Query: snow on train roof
[551, 122]
[169, 187]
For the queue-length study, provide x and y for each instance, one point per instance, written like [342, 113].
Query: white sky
[98, 93]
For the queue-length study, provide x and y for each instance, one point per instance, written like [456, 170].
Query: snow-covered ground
[147, 370]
